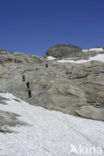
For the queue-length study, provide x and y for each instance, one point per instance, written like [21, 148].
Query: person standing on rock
[29, 93]
[23, 77]
[28, 85]
[46, 65]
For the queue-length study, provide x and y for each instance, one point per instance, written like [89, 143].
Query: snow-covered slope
[50, 133]
[99, 57]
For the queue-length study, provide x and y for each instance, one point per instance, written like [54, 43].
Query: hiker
[29, 93]
[46, 65]
[23, 78]
[28, 85]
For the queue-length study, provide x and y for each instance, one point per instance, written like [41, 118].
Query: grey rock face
[63, 51]
[76, 89]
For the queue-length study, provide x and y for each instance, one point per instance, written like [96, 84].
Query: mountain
[73, 84]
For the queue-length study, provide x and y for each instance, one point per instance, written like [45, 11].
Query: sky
[32, 26]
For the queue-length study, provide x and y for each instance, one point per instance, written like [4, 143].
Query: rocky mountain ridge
[76, 89]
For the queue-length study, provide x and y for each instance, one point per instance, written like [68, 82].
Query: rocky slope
[76, 89]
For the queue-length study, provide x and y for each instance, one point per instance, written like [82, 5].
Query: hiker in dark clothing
[23, 78]
[29, 93]
[46, 65]
[28, 85]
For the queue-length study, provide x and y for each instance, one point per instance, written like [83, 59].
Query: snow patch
[51, 58]
[93, 49]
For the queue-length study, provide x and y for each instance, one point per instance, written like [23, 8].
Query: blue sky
[32, 26]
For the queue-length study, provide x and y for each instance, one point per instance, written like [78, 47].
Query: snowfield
[50, 133]
[99, 57]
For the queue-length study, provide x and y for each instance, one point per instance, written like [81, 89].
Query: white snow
[50, 133]
[99, 57]
[72, 61]
[84, 50]
[51, 58]
[93, 49]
